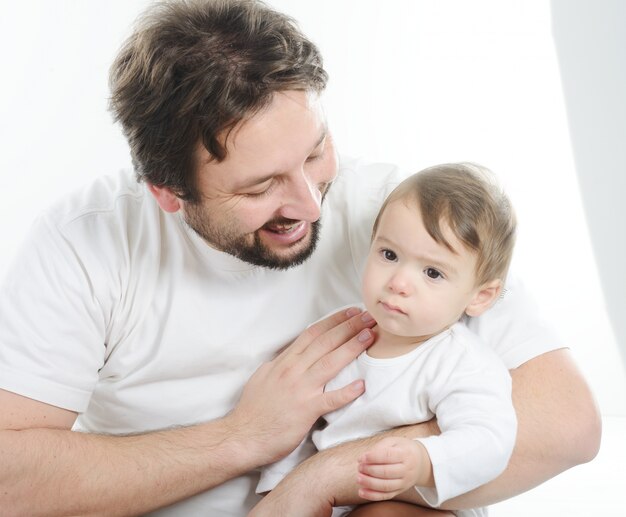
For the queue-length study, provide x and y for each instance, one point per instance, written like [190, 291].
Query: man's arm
[558, 427]
[48, 469]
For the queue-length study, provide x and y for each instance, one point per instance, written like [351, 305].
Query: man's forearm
[329, 478]
[60, 472]
[342, 462]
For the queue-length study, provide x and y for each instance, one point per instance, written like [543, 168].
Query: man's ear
[166, 199]
[485, 297]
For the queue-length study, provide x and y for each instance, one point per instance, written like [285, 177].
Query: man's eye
[256, 194]
[261, 192]
[389, 255]
[431, 272]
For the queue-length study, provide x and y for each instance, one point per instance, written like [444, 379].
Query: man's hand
[392, 466]
[285, 396]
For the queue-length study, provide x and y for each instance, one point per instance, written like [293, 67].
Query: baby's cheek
[430, 319]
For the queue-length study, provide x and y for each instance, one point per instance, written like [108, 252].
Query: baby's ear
[485, 297]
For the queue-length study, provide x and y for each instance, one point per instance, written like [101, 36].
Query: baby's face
[412, 285]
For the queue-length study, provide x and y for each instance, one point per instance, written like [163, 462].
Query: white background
[412, 82]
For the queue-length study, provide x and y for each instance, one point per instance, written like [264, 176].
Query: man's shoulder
[112, 194]
[360, 173]
[361, 187]
[353, 202]
[469, 346]
[101, 223]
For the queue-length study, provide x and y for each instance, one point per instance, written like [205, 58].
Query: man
[148, 315]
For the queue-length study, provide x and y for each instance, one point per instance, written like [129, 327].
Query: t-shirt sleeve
[367, 186]
[51, 325]
[514, 327]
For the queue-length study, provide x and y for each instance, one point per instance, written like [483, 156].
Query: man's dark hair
[192, 70]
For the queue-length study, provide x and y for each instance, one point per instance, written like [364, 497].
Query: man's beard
[227, 239]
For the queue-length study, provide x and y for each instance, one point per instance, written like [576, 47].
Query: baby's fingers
[383, 454]
[374, 489]
[383, 471]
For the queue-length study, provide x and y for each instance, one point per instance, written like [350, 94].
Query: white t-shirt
[119, 311]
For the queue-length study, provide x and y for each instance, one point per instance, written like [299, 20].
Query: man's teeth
[283, 228]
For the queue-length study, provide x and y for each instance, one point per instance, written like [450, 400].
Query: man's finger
[328, 366]
[346, 333]
[332, 400]
[322, 326]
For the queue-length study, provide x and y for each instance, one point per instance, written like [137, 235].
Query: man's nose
[304, 200]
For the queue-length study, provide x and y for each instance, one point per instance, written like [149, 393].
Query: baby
[441, 247]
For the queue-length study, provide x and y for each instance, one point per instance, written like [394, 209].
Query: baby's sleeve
[474, 409]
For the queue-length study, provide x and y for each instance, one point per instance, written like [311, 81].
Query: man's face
[262, 203]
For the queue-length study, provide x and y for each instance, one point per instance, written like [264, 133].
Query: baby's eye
[431, 272]
[389, 255]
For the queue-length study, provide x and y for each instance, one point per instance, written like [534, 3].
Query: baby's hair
[467, 198]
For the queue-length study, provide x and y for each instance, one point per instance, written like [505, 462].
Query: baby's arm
[470, 394]
[472, 401]
[391, 467]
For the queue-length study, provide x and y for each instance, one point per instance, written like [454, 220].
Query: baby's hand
[391, 467]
